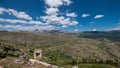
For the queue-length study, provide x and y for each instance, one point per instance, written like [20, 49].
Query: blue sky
[66, 15]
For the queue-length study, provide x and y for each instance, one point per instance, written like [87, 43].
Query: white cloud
[68, 2]
[57, 3]
[21, 21]
[44, 18]
[27, 28]
[76, 30]
[53, 19]
[53, 15]
[73, 23]
[94, 29]
[51, 11]
[71, 14]
[85, 15]
[68, 21]
[12, 20]
[35, 22]
[20, 15]
[2, 10]
[64, 26]
[37, 18]
[36, 25]
[54, 3]
[117, 28]
[98, 16]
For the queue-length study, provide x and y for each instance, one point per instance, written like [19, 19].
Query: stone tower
[37, 54]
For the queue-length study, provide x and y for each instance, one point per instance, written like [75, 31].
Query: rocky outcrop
[33, 61]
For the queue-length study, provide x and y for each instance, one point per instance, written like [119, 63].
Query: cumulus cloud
[117, 28]
[49, 21]
[64, 26]
[98, 16]
[53, 3]
[2, 10]
[37, 18]
[53, 19]
[44, 18]
[71, 15]
[76, 30]
[51, 11]
[67, 2]
[94, 29]
[17, 14]
[53, 15]
[74, 23]
[67, 21]
[85, 15]
[14, 21]
[23, 18]
[57, 3]
[27, 28]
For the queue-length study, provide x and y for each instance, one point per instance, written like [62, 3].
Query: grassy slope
[92, 66]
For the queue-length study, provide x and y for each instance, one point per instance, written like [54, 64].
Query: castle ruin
[37, 54]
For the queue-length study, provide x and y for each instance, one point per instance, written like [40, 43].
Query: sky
[65, 15]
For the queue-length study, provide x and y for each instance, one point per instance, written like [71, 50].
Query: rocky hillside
[60, 49]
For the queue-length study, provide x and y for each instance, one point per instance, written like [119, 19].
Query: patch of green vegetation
[14, 49]
[57, 57]
[94, 66]
[91, 66]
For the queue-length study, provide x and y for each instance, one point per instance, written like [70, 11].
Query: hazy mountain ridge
[111, 35]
